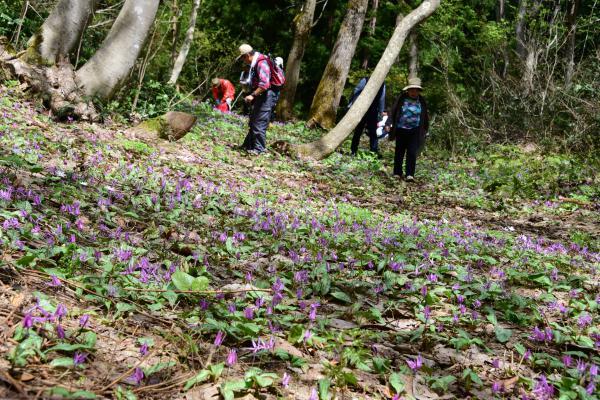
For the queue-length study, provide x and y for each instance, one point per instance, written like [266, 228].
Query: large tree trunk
[327, 98]
[572, 26]
[328, 143]
[302, 26]
[111, 64]
[187, 43]
[61, 31]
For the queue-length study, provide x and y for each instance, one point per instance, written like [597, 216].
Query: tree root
[56, 85]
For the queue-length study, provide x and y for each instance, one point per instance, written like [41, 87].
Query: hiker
[278, 64]
[223, 92]
[265, 81]
[381, 132]
[408, 125]
[369, 120]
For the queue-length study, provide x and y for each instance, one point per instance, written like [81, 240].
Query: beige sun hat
[216, 82]
[245, 49]
[413, 83]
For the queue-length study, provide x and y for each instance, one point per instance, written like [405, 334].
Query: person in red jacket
[223, 93]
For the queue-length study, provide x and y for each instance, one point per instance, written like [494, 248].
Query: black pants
[407, 141]
[256, 139]
[370, 122]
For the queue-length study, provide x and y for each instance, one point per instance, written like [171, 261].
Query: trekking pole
[236, 99]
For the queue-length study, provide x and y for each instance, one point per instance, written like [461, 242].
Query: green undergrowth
[277, 277]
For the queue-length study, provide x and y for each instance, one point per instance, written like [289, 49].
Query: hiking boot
[254, 152]
[410, 178]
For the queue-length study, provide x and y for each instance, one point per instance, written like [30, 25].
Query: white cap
[244, 49]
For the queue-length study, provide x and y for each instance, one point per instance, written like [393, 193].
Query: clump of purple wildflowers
[543, 390]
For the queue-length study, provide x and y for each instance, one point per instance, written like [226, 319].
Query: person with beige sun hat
[264, 82]
[408, 126]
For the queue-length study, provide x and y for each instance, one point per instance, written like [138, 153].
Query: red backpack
[277, 73]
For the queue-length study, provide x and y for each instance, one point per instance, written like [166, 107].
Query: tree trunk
[61, 31]
[302, 26]
[413, 64]
[328, 143]
[176, 15]
[372, 26]
[500, 14]
[572, 26]
[327, 98]
[521, 48]
[187, 43]
[110, 66]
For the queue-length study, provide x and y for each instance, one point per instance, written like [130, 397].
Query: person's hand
[249, 98]
[228, 101]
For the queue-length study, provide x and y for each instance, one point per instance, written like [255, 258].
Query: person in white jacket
[381, 132]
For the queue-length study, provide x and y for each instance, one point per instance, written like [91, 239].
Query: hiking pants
[407, 141]
[256, 139]
[370, 122]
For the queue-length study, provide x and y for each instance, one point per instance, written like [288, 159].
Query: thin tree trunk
[327, 98]
[187, 43]
[61, 31]
[110, 66]
[302, 26]
[572, 26]
[176, 16]
[521, 48]
[328, 143]
[413, 64]
[500, 14]
[372, 26]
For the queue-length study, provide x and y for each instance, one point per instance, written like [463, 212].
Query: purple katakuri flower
[307, 335]
[527, 355]
[496, 363]
[567, 360]
[61, 311]
[593, 370]
[79, 358]
[285, 381]
[427, 313]
[249, 313]
[144, 349]
[54, 281]
[591, 388]
[581, 366]
[219, 338]
[232, 357]
[497, 387]
[313, 311]
[415, 364]
[60, 332]
[313, 394]
[137, 377]
[27, 321]
[83, 320]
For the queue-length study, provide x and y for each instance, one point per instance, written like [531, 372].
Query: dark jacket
[378, 104]
[396, 112]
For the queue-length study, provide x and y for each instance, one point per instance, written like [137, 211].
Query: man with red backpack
[223, 93]
[265, 80]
